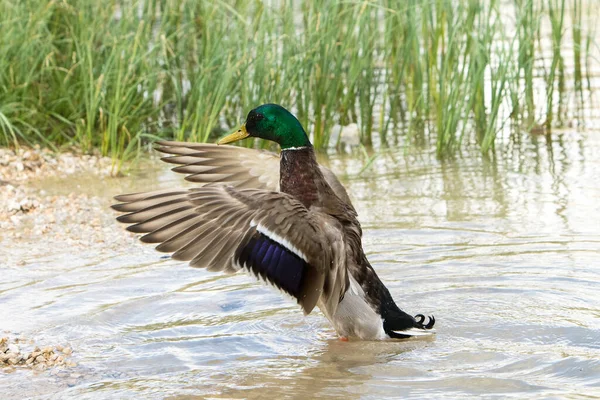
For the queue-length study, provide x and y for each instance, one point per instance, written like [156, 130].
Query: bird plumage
[284, 219]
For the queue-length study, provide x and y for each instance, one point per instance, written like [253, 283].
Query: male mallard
[284, 218]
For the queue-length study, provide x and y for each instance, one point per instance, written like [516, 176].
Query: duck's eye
[253, 119]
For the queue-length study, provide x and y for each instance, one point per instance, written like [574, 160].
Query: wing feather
[236, 166]
[223, 229]
[161, 221]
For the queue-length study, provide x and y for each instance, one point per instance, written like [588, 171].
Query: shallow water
[504, 252]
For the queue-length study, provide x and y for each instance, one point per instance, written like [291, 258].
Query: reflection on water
[504, 252]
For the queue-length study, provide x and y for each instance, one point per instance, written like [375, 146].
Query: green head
[271, 122]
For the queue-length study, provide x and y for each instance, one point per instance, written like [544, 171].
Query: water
[504, 252]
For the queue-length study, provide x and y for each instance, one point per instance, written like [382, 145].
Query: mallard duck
[283, 218]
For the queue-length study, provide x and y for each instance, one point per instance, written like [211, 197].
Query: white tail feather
[416, 332]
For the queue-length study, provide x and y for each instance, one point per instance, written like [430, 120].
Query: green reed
[528, 25]
[111, 75]
[555, 76]
[577, 47]
[594, 10]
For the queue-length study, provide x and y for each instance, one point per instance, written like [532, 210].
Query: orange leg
[343, 338]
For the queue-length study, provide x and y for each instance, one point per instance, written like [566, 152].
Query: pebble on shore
[38, 359]
[19, 201]
[23, 164]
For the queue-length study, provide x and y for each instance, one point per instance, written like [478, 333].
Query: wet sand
[26, 210]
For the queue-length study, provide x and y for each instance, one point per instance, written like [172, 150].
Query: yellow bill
[235, 136]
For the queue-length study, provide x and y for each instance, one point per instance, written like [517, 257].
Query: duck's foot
[420, 318]
[343, 339]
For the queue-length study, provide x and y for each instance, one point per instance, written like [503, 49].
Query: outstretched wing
[222, 228]
[236, 166]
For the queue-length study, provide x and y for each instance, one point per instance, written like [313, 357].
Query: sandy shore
[19, 201]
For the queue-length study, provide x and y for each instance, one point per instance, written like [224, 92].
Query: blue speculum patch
[274, 262]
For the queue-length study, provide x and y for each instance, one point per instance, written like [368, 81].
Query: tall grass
[110, 75]
[556, 74]
[528, 24]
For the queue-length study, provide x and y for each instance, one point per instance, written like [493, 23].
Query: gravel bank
[20, 352]
[19, 201]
